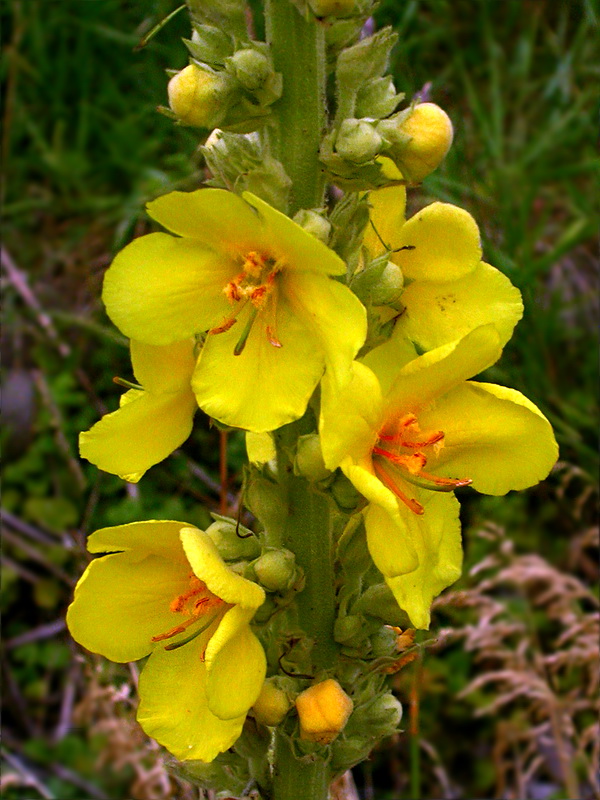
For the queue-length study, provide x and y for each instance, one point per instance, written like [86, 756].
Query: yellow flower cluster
[240, 311]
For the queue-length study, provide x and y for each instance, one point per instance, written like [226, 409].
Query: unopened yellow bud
[431, 134]
[332, 8]
[324, 710]
[198, 96]
[272, 705]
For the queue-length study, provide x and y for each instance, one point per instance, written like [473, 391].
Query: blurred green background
[83, 148]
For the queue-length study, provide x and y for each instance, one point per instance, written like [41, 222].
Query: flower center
[196, 602]
[399, 454]
[256, 284]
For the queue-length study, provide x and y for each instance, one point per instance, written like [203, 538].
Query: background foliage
[83, 149]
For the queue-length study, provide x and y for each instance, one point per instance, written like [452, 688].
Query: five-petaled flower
[449, 291]
[163, 590]
[154, 418]
[261, 289]
[407, 431]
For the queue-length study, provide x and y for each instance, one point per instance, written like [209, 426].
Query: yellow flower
[152, 420]
[323, 710]
[258, 284]
[164, 591]
[449, 290]
[409, 430]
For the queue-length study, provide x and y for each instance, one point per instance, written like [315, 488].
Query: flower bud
[383, 642]
[276, 570]
[420, 140]
[388, 290]
[332, 8]
[358, 141]
[314, 223]
[380, 284]
[344, 494]
[230, 545]
[309, 458]
[348, 628]
[323, 710]
[272, 704]
[250, 67]
[199, 96]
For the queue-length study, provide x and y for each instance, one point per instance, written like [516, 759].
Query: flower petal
[368, 484]
[140, 434]
[174, 705]
[387, 359]
[350, 417]
[160, 289]
[265, 386]
[208, 565]
[260, 447]
[216, 218]
[156, 537]
[436, 540]
[388, 206]
[493, 435]
[446, 244]
[335, 316]
[238, 661]
[428, 377]
[163, 369]
[122, 601]
[299, 250]
[437, 313]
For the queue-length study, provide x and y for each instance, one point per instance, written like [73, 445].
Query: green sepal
[237, 163]
[210, 45]
[349, 220]
[358, 66]
[227, 15]
[377, 98]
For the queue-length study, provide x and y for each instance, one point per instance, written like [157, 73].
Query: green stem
[298, 49]
[308, 535]
[298, 780]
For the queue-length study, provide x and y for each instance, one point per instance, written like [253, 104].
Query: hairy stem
[298, 49]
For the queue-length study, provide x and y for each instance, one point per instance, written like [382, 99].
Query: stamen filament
[230, 321]
[174, 631]
[397, 438]
[410, 502]
[193, 635]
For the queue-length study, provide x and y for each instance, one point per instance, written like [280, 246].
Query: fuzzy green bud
[276, 570]
[309, 458]
[233, 541]
[250, 67]
[272, 705]
[358, 141]
[199, 96]
[314, 223]
[388, 289]
[369, 724]
[348, 629]
[380, 284]
[332, 8]
[344, 494]
[383, 642]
